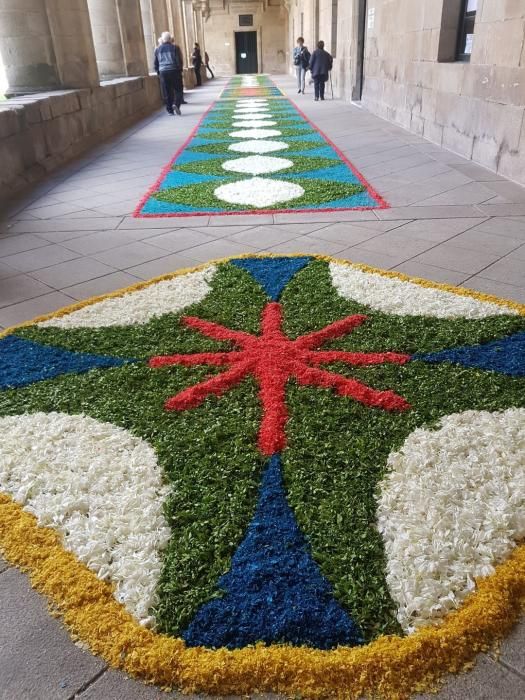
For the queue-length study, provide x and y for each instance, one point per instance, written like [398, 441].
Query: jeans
[319, 83]
[208, 68]
[198, 77]
[171, 88]
[301, 75]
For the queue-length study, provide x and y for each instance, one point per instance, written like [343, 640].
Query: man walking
[301, 59]
[168, 66]
[207, 63]
[196, 60]
[320, 66]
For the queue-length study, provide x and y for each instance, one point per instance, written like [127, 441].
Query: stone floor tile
[437, 230]
[370, 257]
[19, 288]
[166, 222]
[46, 226]
[31, 260]
[101, 240]
[221, 231]
[179, 240]
[101, 285]
[307, 244]
[26, 310]
[477, 172]
[220, 248]
[128, 255]
[470, 193]
[436, 212]
[430, 272]
[328, 217]
[38, 659]
[508, 270]
[488, 681]
[10, 245]
[476, 239]
[498, 289]
[114, 685]
[393, 242]
[264, 236]
[241, 219]
[513, 648]
[349, 234]
[459, 259]
[519, 253]
[509, 190]
[501, 226]
[163, 266]
[502, 209]
[120, 208]
[6, 271]
[68, 273]
[50, 211]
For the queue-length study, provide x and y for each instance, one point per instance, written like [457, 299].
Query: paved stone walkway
[74, 237]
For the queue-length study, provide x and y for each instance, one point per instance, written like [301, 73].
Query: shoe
[171, 112]
[184, 102]
[316, 99]
[298, 92]
[177, 110]
[302, 92]
[322, 98]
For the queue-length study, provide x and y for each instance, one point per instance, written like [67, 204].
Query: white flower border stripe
[399, 297]
[452, 508]
[140, 306]
[100, 487]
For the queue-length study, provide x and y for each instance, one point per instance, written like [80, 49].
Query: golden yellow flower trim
[392, 667]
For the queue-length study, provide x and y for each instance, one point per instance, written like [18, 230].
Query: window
[245, 20]
[466, 30]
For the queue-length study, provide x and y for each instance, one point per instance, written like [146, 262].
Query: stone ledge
[42, 131]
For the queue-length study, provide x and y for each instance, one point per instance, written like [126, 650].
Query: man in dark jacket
[320, 67]
[196, 59]
[168, 65]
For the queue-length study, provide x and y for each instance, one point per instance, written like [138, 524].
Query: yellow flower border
[391, 667]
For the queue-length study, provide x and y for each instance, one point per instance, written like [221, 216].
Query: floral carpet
[255, 152]
[272, 473]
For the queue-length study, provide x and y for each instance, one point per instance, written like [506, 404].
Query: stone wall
[38, 133]
[476, 109]
[269, 21]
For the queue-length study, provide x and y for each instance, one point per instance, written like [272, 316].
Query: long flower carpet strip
[255, 152]
[282, 474]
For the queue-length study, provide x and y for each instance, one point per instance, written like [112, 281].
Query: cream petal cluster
[451, 508]
[257, 165]
[140, 306]
[258, 146]
[100, 487]
[400, 297]
[259, 192]
[254, 133]
[254, 123]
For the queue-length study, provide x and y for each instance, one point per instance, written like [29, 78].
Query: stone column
[176, 26]
[106, 34]
[189, 28]
[159, 15]
[36, 38]
[132, 37]
[150, 40]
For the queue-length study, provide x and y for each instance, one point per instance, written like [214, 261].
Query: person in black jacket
[196, 59]
[168, 66]
[320, 67]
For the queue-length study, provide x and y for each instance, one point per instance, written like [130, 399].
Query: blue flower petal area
[323, 152]
[274, 591]
[338, 173]
[24, 362]
[506, 355]
[156, 206]
[361, 199]
[273, 274]
[178, 178]
[189, 156]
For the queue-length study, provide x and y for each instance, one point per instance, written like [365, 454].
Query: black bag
[297, 59]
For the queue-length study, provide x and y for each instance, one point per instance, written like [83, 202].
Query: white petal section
[260, 146]
[251, 102]
[452, 507]
[255, 133]
[257, 165]
[263, 109]
[254, 123]
[166, 296]
[395, 296]
[100, 487]
[258, 192]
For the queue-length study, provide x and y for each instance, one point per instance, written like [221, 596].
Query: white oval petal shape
[254, 123]
[452, 507]
[140, 306]
[257, 165]
[405, 298]
[100, 488]
[258, 146]
[255, 133]
[251, 117]
[258, 192]
[251, 110]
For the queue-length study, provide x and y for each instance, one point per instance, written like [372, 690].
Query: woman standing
[196, 60]
[301, 58]
[320, 67]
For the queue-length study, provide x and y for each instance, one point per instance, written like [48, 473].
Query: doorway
[246, 52]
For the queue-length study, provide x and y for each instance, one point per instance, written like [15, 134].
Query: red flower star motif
[273, 358]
